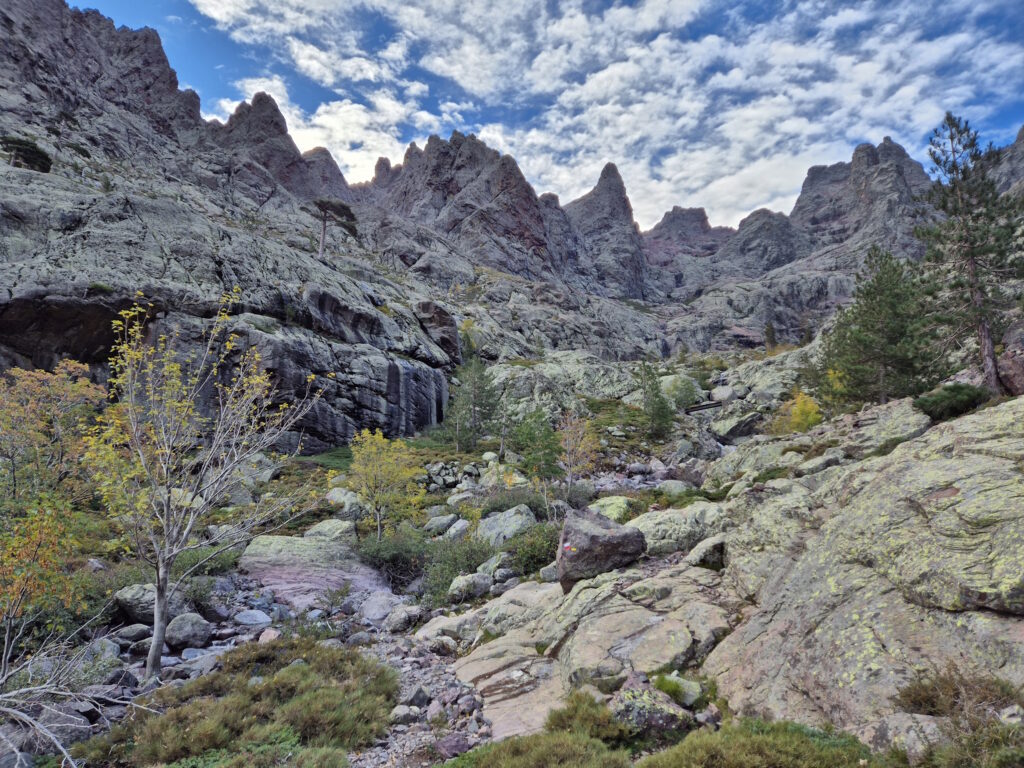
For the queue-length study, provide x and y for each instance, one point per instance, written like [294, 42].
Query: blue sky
[715, 103]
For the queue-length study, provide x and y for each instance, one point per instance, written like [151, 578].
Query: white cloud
[728, 119]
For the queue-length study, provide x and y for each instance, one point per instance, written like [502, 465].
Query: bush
[951, 401]
[750, 743]
[260, 708]
[969, 704]
[534, 548]
[401, 556]
[682, 392]
[448, 559]
[25, 153]
[583, 715]
[221, 562]
[798, 414]
[543, 750]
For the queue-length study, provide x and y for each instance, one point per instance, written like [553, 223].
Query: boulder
[402, 618]
[674, 487]
[643, 709]
[677, 530]
[723, 394]
[252, 618]
[188, 630]
[729, 427]
[591, 544]
[458, 531]
[468, 587]
[350, 507]
[333, 530]
[378, 606]
[437, 525]
[300, 569]
[613, 507]
[136, 601]
[498, 528]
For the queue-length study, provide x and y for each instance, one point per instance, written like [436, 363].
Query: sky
[722, 104]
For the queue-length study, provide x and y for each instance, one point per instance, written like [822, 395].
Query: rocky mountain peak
[871, 199]
[604, 219]
[256, 122]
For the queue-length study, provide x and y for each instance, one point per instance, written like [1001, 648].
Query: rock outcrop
[898, 563]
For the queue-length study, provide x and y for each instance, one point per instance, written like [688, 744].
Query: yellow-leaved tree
[171, 447]
[579, 447]
[797, 414]
[384, 474]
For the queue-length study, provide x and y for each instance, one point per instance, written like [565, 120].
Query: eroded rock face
[606, 629]
[908, 560]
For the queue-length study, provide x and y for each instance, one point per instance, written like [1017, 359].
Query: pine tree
[534, 439]
[473, 405]
[971, 247]
[877, 349]
[770, 339]
[657, 409]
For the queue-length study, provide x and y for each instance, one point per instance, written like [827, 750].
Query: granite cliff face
[146, 195]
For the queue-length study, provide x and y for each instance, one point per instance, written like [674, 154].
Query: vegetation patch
[951, 401]
[290, 697]
[584, 716]
[969, 704]
[449, 559]
[749, 743]
[534, 548]
[544, 750]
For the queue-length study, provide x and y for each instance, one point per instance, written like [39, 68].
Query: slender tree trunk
[323, 235]
[989, 369]
[380, 527]
[156, 646]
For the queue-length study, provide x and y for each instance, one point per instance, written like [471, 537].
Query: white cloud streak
[728, 119]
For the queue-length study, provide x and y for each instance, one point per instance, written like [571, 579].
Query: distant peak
[610, 176]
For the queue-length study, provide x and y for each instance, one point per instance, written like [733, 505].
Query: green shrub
[749, 743]
[401, 556]
[534, 548]
[583, 715]
[951, 401]
[449, 559]
[215, 563]
[543, 750]
[258, 710]
[969, 703]
[25, 153]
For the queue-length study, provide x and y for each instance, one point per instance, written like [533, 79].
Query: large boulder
[591, 544]
[677, 530]
[189, 630]
[300, 569]
[136, 601]
[498, 528]
[613, 507]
